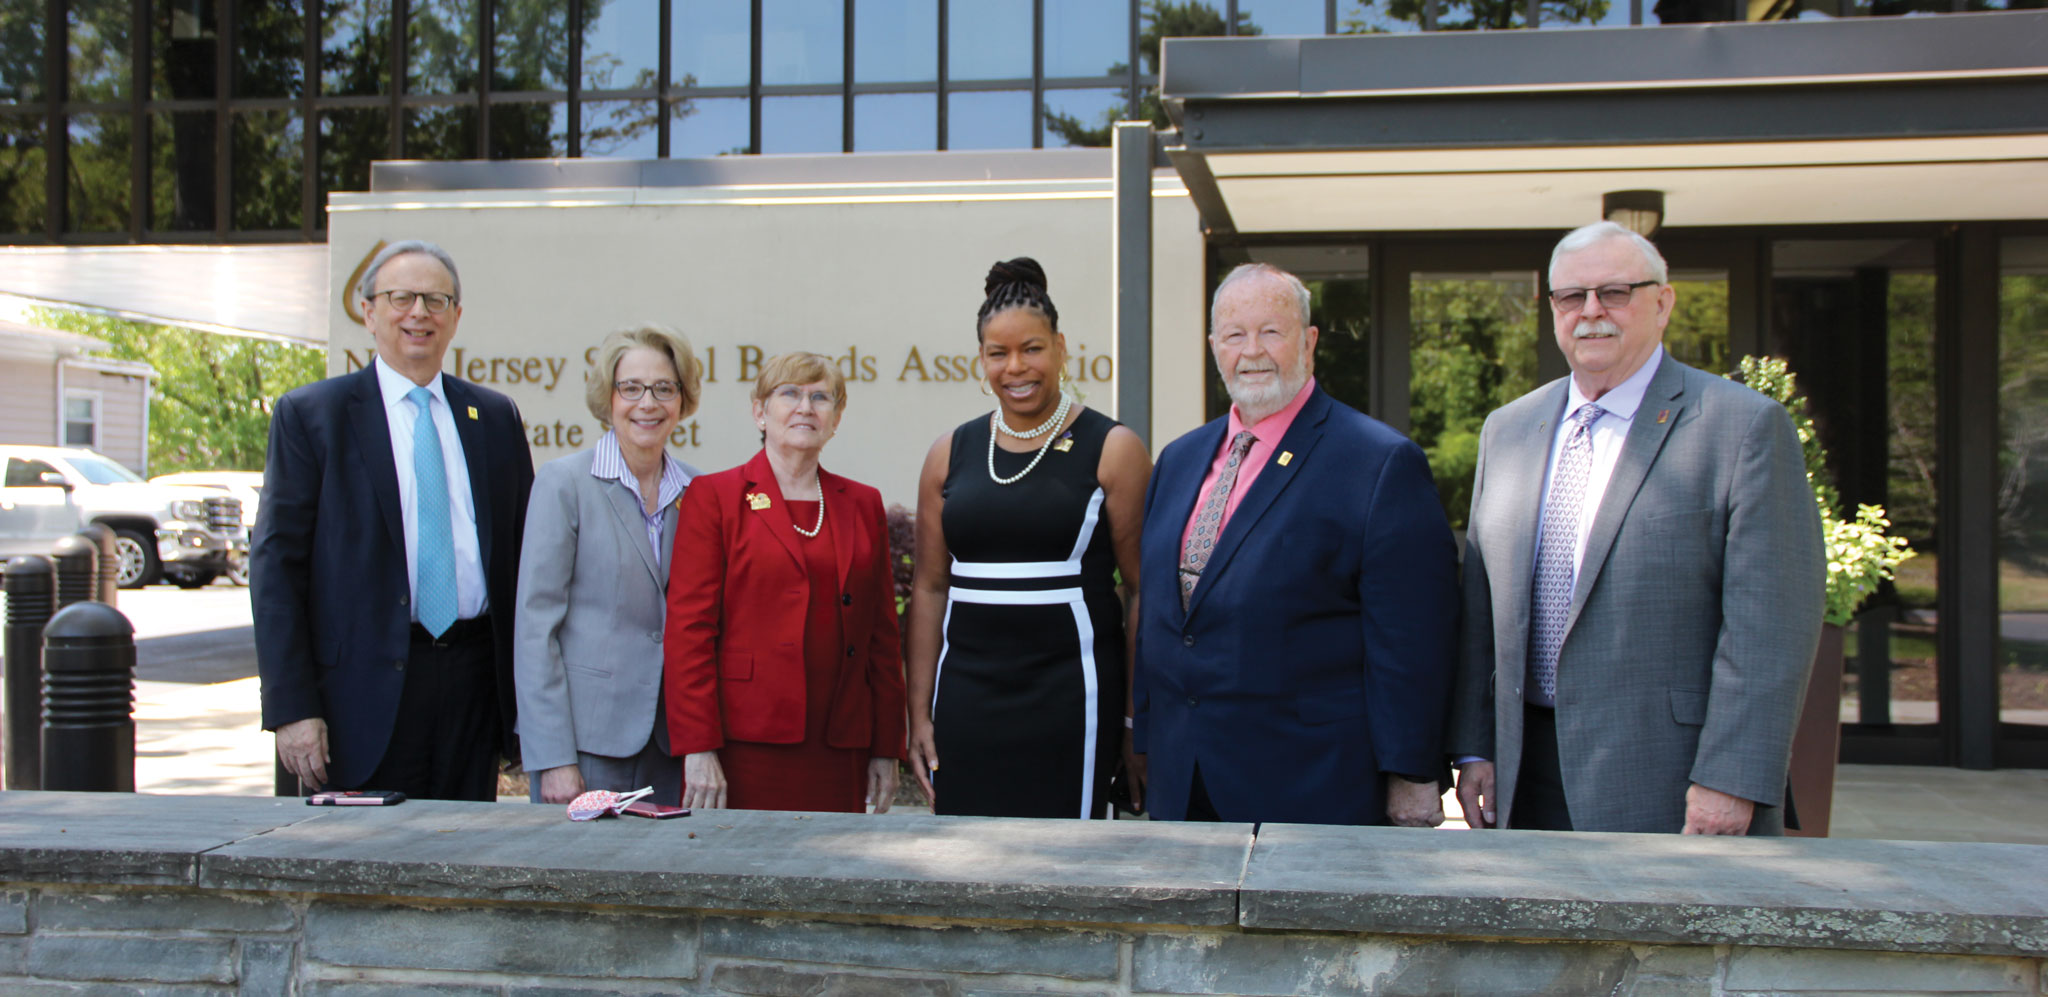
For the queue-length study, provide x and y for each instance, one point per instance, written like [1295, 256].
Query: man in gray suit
[1644, 579]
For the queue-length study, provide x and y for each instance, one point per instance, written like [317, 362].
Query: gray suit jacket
[1694, 620]
[592, 601]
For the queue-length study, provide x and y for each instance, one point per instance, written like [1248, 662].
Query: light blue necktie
[434, 588]
[1557, 566]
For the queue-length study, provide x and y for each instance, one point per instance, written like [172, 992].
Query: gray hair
[368, 285]
[659, 338]
[1589, 235]
[1246, 271]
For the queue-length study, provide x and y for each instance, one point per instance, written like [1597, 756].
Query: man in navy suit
[386, 556]
[1298, 603]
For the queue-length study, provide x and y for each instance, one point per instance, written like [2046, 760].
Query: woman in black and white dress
[1018, 663]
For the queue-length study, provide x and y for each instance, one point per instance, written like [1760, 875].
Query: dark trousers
[444, 744]
[1199, 807]
[1539, 783]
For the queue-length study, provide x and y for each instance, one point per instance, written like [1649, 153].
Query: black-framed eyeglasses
[664, 391]
[1571, 299]
[436, 302]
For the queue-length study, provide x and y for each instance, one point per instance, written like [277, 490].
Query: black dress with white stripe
[1027, 712]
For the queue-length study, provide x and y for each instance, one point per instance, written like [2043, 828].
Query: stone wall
[117, 894]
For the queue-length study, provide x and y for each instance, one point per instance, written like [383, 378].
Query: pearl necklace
[1044, 427]
[820, 525]
[1059, 416]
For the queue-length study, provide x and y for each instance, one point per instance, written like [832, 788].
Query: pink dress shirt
[1266, 439]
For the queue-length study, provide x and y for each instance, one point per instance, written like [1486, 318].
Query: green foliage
[1472, 349]
[2023, 419]
[1370, 17]
[1158, 19]
[1861, 553]
[210, 406]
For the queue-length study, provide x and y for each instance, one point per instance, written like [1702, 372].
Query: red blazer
[733, 651]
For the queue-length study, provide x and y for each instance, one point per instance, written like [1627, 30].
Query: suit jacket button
[654, 635]
[846, 598]
[1187, 640]
[1192, 701]
[401, 600]
[849, 650]
[399, 664]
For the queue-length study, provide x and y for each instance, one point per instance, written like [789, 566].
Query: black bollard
[89, 700]
[77, 559]
[31, 587]
[107, 579]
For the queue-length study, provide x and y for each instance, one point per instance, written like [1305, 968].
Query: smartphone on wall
[356, 798]
[657, 811]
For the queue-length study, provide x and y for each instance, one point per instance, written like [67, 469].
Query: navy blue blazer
[328, 578]
[1317, 650]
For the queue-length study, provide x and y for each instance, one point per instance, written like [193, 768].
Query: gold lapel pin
[1065, 444]
[472, 412]
[1285, 456]
[757, 501]
[1663, 414]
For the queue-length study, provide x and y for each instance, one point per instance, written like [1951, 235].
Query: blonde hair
[659, 338]
[801, 368]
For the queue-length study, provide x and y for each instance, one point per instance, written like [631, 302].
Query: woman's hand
[561, 784]
[1134, 773]
[881, 783]
[924, 757]
[703, 781]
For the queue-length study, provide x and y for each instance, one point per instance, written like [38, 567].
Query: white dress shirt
[470, 597]
[1609, 432]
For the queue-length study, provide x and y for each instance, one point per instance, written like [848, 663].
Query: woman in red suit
[781, 673]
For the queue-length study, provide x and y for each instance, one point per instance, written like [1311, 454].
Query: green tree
[1160, 19]
[1472, 349]
[210, 406]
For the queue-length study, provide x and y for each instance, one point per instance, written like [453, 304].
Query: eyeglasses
[664, 391]
[794, 396]
[1571, 299]
[402, 300]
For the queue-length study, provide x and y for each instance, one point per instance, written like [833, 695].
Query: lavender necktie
[1556, 563]
[1209, 522]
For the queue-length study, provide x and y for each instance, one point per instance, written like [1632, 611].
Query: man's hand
[561, 784]
[1475, 794]
[703, 781]
[1134, 773]
[1710, 811]
[882, 776]
[302, 747]
[1413, 804]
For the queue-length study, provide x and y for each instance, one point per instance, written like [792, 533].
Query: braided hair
[1018, 283]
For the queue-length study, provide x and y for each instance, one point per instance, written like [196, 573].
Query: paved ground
[197, 732]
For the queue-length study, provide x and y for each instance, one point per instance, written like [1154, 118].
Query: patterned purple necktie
[1209, 522]
[1556, 561]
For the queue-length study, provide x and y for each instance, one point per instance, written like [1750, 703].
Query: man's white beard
[1274, 395]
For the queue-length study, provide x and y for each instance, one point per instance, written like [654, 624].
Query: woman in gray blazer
[593, 576]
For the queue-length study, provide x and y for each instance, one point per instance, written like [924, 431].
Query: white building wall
[28, 400]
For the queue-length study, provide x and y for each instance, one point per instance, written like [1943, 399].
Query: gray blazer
[592, 601]
[1694, 620]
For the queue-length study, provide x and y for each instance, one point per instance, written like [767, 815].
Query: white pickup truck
[185, 535]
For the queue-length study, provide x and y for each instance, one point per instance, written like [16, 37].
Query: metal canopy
[1868, 119]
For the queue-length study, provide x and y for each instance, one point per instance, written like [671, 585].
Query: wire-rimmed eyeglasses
[436, 302]
[1571, 299]
[664, 391]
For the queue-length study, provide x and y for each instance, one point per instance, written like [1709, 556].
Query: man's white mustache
[1598, 327]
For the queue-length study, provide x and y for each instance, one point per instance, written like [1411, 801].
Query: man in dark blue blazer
[1298, 604]
[386, 556]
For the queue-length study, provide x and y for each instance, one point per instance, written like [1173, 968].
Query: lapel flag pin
[472, 412]
[1285, 456]
[757, 501]
[1065, 444]
[1663, 414]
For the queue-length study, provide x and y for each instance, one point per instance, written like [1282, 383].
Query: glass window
[181, 171]
[355, 47]
[708, 126]
[802, 41]
[1472, 349]
[530, 46]
[530, 129]
[895, 41]
[626, 129]
[800, 124]
[1487, 15]
[21, 50]
[1081, 117]
[349, 140]
[99, 178]
[2023, 473]
[1692, 11]
[81, 419]
[989, 119]
[1378, 17]
[22, 166]
[712, 43]
[1283, 17]
[440, 132]
[988, 40]
[1090, 38]
[896, 122]
[621, 44]
[1591, 13]
[99, 49]
[184, 65]
[1698, 332]
[101, 471]
[441, 46]
[270, 41]
[268, 163]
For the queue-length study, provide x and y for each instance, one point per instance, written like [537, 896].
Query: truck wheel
[138, 563]
[193, 580]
